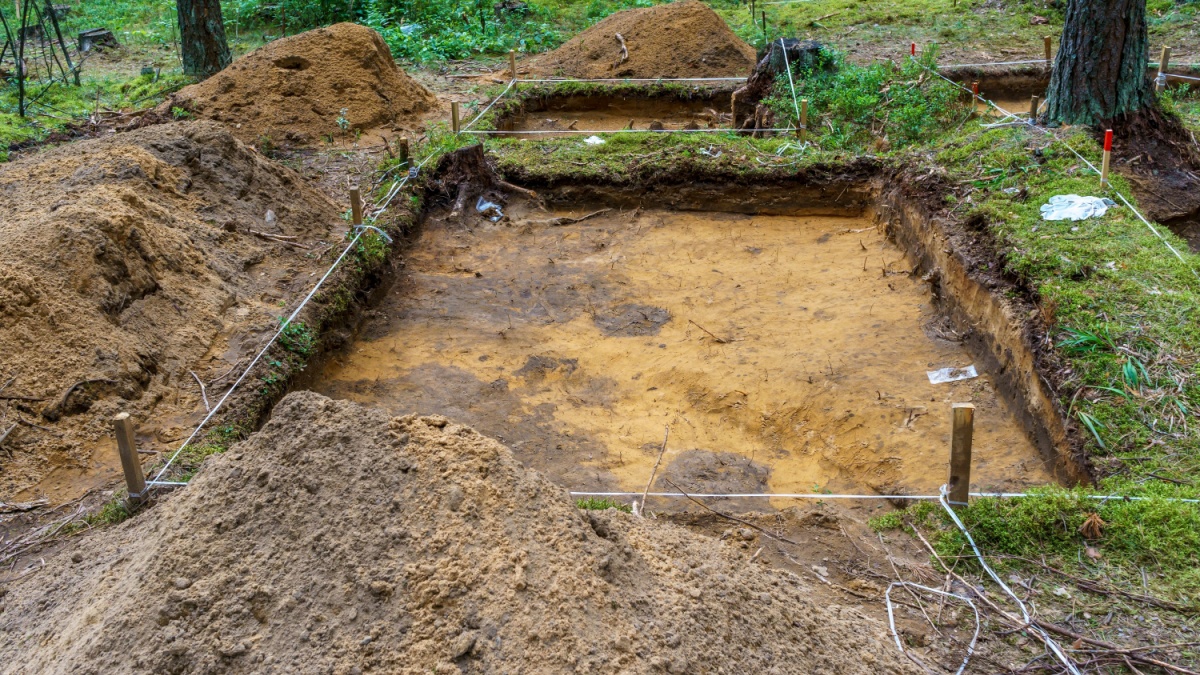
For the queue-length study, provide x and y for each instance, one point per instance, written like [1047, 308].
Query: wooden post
[764, 22]
[803, 118]
[1033, 108]
[1046, 46]
[733, 110]
[404, 150]
[959, 482]
[1107, 158]
[356, 206]
[454, 116]
[512, 63]
[975, 88]
[135, 481]
[1164, 58]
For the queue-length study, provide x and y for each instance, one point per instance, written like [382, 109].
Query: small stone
[764, 598]
[182, 583]
[381, 588]
[77, 558]
[454, 498]
[463, 644]
[746, 533]
[231, 651]
[695, 593]
[821, 570]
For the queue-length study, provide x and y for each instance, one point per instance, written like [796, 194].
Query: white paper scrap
[594, 140]
[951, 374]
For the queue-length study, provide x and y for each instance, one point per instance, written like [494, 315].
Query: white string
[535, 132]
[887, 596]
[489, 107]
[642, 79]
[1171, 76]
[1050, 643]
[818, 495]
[984, 65]
[788, 68]
[257, 357]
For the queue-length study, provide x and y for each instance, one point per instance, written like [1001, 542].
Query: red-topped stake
[1107, 158]
[913, 49]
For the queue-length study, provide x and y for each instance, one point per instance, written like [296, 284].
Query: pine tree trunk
[1100, 70]
[202, 37]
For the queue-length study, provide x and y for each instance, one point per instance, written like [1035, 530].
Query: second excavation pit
[785, 353]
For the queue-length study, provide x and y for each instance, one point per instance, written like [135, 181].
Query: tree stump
[802, 55]
[467, 172]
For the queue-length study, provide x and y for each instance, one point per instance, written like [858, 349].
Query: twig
[624, 50]
[826, 16]
[727, 516]
[15, 507]
[203, 391]
[276, 239]
[4, 437]
[11, 397]
[565, 220]
[62, 405]
[653, 471]
[720, 340]
[27, 423]
[10, 381]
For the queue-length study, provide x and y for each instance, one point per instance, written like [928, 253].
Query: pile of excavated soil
[337, 540]
[128, 261]
[680, 39]
[294, 89]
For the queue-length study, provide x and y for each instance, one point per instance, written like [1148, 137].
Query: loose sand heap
[294, 89]
[337, 540]
[681, 39]
[127, 262]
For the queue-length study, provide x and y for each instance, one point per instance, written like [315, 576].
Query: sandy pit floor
[784, 353]
[615, 115]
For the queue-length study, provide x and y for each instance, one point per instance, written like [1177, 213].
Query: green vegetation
[602, 504]
[882, 105]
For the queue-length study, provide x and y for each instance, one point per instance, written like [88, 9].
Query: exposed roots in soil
[467, 172]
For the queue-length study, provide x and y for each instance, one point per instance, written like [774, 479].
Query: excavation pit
[557, 115]
[787, 349]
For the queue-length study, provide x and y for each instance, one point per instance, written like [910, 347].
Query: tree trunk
[1100, 70]
[202, 37]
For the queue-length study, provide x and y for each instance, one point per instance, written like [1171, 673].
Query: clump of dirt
[128, 262]
[339, 540]
[680, 39]
[296, 88]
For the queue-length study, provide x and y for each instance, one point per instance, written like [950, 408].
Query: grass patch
[601, 504]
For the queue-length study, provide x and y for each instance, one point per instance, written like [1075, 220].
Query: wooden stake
[764, 22]
[454, 116]
[1046, 45]
[356, 205]
[404, 150]
[1033, 108]
[803, 118]
[732, 112]
[512, 63]
[135, 481]
[1107, 158]
[959, 481]
[1164, 58]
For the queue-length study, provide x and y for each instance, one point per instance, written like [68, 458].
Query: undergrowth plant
[877, 107]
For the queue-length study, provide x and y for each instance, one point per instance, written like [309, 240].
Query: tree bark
[1100, 70]
[202, 37]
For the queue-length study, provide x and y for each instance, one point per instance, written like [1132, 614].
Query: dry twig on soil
[203, 392]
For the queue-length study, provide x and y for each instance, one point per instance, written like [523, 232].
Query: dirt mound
[681, 39]
[127, 262]
[294, 89]
[336, 540]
